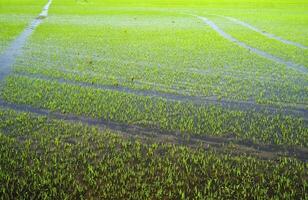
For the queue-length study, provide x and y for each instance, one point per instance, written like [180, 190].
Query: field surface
[153, 99]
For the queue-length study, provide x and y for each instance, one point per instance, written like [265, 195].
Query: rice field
[135, 99]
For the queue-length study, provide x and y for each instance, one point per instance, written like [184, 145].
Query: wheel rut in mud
[263, 151]
[288, 64]
[268, 35]
[301, 111]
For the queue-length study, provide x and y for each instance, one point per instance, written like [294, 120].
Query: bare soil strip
[269, 35]
[198, 100]
[289, 64]
[238, 147]
[7, 59]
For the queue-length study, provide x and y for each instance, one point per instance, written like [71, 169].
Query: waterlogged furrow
[261, 42]
[283, 92]
[269, 35]
[288, 64]
[11, 26]
[44, 12]
[181, 87]
[158, 113]
[7, 59]
[301, 111]
[72, 60]
[217, 143]
[15, 16]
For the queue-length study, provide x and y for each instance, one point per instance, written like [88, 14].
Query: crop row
[282, 93]
[298, 111]
[192, 60]
[157, 113]
[43, 158]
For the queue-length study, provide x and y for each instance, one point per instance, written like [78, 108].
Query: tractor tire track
[7, 59]
[301, 112]
[263, 151]
[268, 35]
[288, 64]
